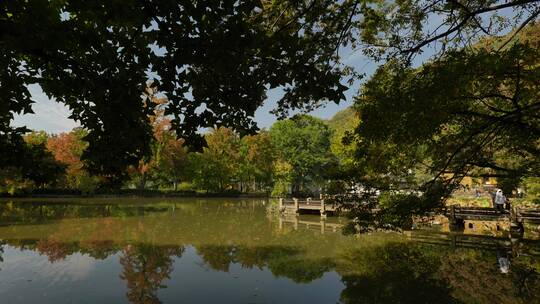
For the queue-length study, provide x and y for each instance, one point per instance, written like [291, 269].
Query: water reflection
[145, 267]
[503, 259]
[233, 252]
[395, 272]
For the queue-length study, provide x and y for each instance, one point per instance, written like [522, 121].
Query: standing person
[500, 199]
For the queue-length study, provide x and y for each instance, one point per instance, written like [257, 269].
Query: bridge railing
[516, 215]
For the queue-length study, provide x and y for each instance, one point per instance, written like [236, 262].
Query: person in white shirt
[500, 200]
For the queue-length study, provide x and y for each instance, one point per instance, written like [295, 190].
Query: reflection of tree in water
[54, 250]
[394, 273]
[476, 275]
[415, 273]
[58, 250]
[145, 268]
[259, 256]
[2, 243]
[300, 270]
[36, 212]
[217, 257]
[99, 250]
[283, 261]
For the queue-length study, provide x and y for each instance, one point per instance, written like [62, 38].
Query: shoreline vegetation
[134, 193]
[460, 200]
[266, 164]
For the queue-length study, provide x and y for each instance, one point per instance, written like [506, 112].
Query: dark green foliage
[406, 29]
[469, 110]
[40, 166]
[215, 62]
[469, 113]
[33, 163]
[395, 273]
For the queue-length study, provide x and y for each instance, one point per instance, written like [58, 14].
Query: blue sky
[49, 115]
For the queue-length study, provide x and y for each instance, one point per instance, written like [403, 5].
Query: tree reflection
[300, 270]
[476, 275]
[2, 243]
[282, 261]
[37, 212]
[394, 273]
[374, 269]
[54, 250]
[145, 267]
[217, 257]
[419, 273]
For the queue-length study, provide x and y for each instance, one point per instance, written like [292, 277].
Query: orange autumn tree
[67, 149]
[166, 165]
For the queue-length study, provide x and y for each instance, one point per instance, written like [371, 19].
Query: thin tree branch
[465, 20]
[347, 26]
[298, 16]
[527, 21]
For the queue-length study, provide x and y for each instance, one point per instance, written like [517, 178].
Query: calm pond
[234, 251]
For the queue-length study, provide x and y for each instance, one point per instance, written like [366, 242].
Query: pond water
[234, 251]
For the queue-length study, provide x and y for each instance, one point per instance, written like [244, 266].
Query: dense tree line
[293, 156]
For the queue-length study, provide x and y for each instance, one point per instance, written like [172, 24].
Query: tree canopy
[304, 143]
[469, 112]
[214, 61]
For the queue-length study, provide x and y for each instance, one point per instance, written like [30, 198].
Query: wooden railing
[297, 205]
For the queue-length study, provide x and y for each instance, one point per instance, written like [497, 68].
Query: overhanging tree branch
[464, 21]
[527, 21]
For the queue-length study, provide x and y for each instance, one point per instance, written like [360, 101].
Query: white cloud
[49, 115]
